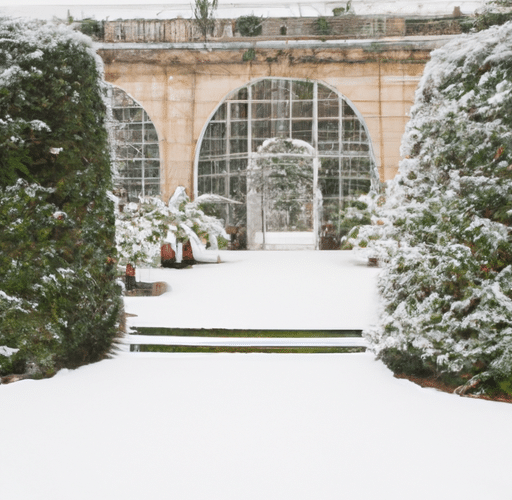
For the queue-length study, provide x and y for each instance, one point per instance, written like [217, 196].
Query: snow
[263, 290]
[133, 9]
[250, 426]
[298, 238]
[247, 341]
[7, 351]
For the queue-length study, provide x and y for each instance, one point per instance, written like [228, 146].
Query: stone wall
[181, 87]
[143, 31]
[433, 27]
[339, 27]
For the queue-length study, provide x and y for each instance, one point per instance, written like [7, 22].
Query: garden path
[300, 290]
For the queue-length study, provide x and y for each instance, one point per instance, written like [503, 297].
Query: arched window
[305, 110]
[134, 146]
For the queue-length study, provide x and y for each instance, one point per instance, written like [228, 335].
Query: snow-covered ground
[253, 426]
[250, 426]
[263, 290]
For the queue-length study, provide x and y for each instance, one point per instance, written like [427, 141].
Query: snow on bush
[59, 304]
[142, 228]
[443, 231]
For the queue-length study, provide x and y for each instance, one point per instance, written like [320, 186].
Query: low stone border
[147, 289]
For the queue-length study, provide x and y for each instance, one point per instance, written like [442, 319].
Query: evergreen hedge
[59, 303]
[444, 231]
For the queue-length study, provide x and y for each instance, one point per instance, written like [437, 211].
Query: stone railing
[341, 27]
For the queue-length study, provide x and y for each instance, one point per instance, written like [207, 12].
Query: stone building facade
[197, 114]
[181, 85]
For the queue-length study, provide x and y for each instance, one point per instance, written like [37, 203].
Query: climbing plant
[322, 26]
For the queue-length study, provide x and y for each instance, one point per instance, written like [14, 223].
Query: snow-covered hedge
[59, 302]
[443, 232]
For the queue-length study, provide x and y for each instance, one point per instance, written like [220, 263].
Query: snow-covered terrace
[251, 426]
[302, 290]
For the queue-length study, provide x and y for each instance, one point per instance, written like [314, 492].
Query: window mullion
[315, 116]
[249, 122]
[143, 163]
[290, 125]
[340, 151]
[228, 149]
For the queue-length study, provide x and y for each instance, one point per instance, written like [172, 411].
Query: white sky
[129, 9]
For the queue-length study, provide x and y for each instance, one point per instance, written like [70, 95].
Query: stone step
[245, 341]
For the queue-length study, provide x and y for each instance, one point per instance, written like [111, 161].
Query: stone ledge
[419, 42]
[147, 289]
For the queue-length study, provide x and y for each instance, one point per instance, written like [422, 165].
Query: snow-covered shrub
[59, 303]
[494, 12]
[142, 228]
[347, 222]
[444, 228]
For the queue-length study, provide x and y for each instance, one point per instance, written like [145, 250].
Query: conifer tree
[59, 303]
[444, 231]
[203, 13]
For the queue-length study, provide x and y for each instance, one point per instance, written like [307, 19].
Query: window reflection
[134, 146]
[295, 109]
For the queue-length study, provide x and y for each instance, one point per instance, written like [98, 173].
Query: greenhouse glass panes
[134, 145]
[288, 109]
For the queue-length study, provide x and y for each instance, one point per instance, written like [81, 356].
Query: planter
[142, 289]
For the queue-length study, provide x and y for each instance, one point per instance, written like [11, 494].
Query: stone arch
[135, 148]
[290, 108]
